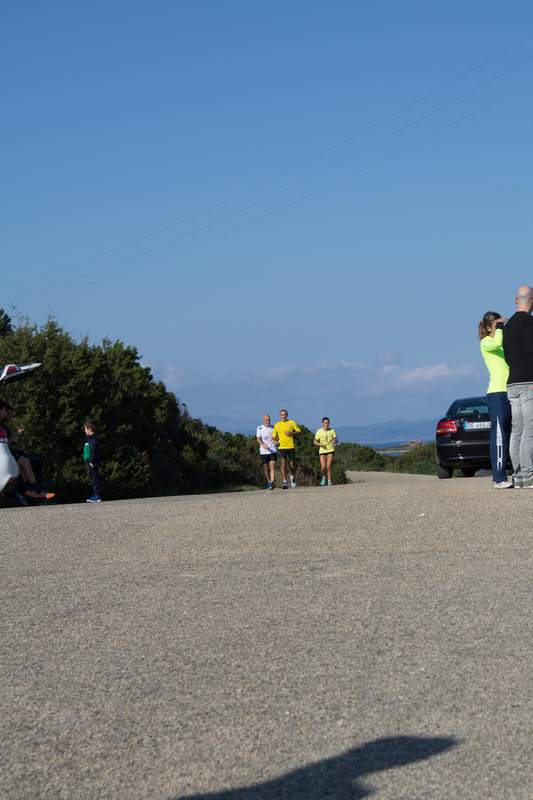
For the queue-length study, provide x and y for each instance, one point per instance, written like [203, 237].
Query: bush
[362, 457]
[420, 460]
[149, 444]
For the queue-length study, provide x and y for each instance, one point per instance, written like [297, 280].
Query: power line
[291, 186]
[287, 205]
[275, 177]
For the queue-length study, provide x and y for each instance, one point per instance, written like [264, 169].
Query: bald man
[268, 450]
[518, 352]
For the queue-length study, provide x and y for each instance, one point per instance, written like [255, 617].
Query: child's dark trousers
[93, 472]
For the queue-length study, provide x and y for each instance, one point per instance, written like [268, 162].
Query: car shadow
[338, 777]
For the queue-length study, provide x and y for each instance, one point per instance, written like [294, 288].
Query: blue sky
[283, 204]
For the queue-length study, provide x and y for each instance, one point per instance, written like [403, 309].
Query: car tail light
[446, 427]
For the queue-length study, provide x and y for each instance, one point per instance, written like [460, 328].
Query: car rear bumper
[9, 469]
[463, 454]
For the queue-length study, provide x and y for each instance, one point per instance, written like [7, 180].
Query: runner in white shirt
[268, 450]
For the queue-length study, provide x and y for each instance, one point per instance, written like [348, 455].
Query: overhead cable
[279, 175]
[281, 208]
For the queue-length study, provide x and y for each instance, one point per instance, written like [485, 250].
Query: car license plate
[476, 426]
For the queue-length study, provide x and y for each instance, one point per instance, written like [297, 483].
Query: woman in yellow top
[325, 438]
[491, 336]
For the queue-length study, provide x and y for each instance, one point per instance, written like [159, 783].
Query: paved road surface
[370, 640]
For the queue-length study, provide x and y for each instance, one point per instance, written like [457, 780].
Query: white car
[9, 469]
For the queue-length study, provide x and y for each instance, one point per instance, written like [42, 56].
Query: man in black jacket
[518, 351]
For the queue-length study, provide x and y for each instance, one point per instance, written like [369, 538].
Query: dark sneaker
[38, 495]
[94, 499]
[284, 485]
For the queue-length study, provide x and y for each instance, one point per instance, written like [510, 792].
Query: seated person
[31, 485]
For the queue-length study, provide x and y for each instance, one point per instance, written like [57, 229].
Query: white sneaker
[504, 485]
[293, 482]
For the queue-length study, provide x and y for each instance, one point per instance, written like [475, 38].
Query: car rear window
[467, 406]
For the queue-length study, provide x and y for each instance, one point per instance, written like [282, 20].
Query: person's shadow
[337, 778]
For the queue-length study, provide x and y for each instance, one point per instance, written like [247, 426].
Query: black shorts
[287, 454]
[268, 457]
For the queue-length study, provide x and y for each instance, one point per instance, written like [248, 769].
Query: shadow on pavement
[338, 777]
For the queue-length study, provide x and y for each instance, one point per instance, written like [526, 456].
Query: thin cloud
[430, 372]
[354, 393]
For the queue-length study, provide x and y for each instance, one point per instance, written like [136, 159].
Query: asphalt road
[365, 640]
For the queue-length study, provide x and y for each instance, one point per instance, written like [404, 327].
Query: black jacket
[518, 347]
[91, 450]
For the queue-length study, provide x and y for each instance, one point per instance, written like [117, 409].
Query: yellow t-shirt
[326, 437]
[280, 428]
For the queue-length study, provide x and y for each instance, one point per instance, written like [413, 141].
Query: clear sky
[298, 204]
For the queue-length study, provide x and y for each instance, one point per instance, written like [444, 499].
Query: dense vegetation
[419, 460]
[149, 444]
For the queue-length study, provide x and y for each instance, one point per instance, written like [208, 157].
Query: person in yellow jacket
[491, 335]
[284, 432]
[325, 438]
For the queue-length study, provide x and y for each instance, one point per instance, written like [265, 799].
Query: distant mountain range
[399, 430]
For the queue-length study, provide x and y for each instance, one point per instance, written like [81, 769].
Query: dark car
[462, 439]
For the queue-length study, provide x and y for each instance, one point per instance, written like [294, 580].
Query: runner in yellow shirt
[284, 432]
[325, 438]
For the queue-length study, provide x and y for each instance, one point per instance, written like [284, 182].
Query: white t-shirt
[265, 434]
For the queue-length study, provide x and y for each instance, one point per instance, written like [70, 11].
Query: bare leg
[323, 464]
[272, 471]
[284, 468]
[267, 471]
[330, 464]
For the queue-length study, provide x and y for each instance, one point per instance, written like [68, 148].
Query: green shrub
[420, 460]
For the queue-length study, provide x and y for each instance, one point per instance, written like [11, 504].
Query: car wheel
[444, 472]
[466, 472]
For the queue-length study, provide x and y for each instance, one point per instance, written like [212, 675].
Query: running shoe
[293, 482]
[94, 499]
[284, 485]
[527, 484]
[323, 482]
[269, 485]
[38, 495]
[330, 483]
[504, 485]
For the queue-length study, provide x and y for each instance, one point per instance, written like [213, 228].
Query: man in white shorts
[268, 450]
